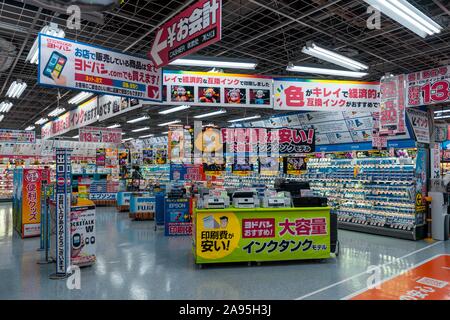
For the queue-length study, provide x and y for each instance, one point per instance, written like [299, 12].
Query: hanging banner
[195, 28]
[95, 109]
[378, 142]
[217, 89]
[17, 136]
[420, 124]
[84, 115]
[428, 87]
[242, 143]
[392, 106]
[100, 134]
[111, 106]
[74, 65]
[323, 95]
[295, 141]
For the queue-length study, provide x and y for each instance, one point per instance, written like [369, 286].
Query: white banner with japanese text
[325, 95]
[75, 65]
[428, 87]
[217, 89]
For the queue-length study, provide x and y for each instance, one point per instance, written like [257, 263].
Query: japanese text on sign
[291, 94]
[191, 30]
[75, 65]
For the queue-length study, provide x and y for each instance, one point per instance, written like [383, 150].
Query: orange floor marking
[428, 281]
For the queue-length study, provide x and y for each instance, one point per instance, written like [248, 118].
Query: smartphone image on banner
[55, 65]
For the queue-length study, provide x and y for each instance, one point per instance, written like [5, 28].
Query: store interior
[304, 148]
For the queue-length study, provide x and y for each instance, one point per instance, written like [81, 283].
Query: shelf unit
[375, 195]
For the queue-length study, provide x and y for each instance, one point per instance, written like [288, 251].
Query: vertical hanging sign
[392, 106]
[195, 28]
[63, 201]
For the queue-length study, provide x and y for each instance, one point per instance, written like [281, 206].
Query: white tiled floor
[135, 262]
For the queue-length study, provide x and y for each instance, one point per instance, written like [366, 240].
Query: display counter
[142, 206]
[123, 201]
[261, 234]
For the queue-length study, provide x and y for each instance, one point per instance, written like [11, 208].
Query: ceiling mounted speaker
[7, 54]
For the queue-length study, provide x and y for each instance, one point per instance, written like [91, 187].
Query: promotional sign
[244, 142]
[392, 106]
[100, 157]
[294, 165]
[31, 203]
[196, 27]
[217, 89]
[428, 87]
[239, 235]
[427, 281]
[187, 172]
[435, 159]
[75, 65]
[17, 136]
[142, 204]
[269, 166]
[420, 124]
[95, 109]
[82, 231]
[84, 115]
[320, 95]
[177, 217]
[102, 196]
[100, 134]
[63, 202]
[295, 141]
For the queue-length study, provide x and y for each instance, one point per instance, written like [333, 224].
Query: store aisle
[135, 262]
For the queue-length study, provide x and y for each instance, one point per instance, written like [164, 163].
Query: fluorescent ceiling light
[244, 119]
[314, 50]
[51, 30]
[408, 16]
[127, 139]
[146, 136]
[332, 72]
[82, 96]
[116, 125]
[29, 128]
[140, 129]
[123, 133]
[138, 119]
[5, 106]
[210, 114]
[175, 109]
[442, 111]
[165, 132]
[41, 121]
[16, 89]
[169, 123]
[214, 62]
[56, 112]
[1, 117]
[76, 137]
[442, 117]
